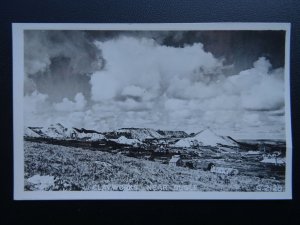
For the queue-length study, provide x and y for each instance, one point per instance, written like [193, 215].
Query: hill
[173, 134]
[58, 131]
[140, 134]
[206, 138]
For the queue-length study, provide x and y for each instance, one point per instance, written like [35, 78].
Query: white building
[175, 161]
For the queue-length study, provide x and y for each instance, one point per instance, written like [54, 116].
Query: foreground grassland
[70, 168]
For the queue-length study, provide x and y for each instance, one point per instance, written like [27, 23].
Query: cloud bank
[146, 84]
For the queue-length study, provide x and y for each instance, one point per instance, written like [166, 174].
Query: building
[222, 170]
[175, 161]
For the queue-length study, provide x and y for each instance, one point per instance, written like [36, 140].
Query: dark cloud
[58, 62]
[240, 48]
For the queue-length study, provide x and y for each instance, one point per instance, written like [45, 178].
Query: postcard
[152, 111]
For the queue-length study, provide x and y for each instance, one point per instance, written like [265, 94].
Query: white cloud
[260, 88]
[69, 106]
[133, 90]
[145, 84]
[187, 89]
[36, 109]
[144, 65]
[35, 102]
[104, 86]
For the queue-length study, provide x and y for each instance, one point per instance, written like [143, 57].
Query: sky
[230, 81]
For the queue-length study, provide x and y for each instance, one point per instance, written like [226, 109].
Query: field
[51, 167]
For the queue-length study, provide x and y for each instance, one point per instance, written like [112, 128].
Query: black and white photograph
[152, 111]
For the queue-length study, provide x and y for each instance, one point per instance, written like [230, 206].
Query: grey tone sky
[231, 81]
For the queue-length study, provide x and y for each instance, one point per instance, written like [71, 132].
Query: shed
[175, 160]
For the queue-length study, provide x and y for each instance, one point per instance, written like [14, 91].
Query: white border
[18, 82]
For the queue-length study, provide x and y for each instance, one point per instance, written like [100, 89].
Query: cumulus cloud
[42, 46]
[35, 102]
[146, 84]
[36, 109]
[260, 87]
[58, 63]
[183, 87]
[39, 111]
[68, 106]
[133, 91]
[144, 64]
